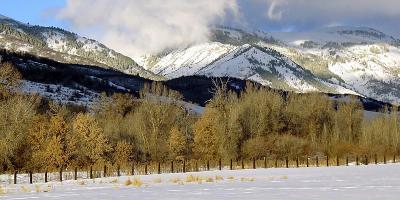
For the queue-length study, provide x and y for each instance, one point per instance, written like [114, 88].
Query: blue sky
[39, 12]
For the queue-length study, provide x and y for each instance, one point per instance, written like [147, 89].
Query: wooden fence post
[105, 171]
[184, 166]
[220, 164]
[394, 158]
[337, 161]
[308, 163]
[317, 161]
[357, 161]
[384, 159]
[15, 177]
[30, 177]
[242, 164]
[347, 160]
[118, 171]
[145, 169]
[208, 165]
[91, 172]
[276, 162]
[172, 166]
[376, 159]
[327, 160]
[197, 166]
[231, 165]
[265, 163]
[159, 168]
[254, 163]
[45, 176]
[297, 162]
[76, 173]
[61, 174]
[287, 162]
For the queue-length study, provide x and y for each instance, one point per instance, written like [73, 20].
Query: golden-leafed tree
[9, 78]
[91, 144]
[37, 139]
[206, 142]
[123, 152]
[178, 144]
[153, 122]
[112, 112]
[16, 115]
[349, 119]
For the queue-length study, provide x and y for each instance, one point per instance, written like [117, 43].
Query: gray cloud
[134, 27]
[137, 26]
[303, 14]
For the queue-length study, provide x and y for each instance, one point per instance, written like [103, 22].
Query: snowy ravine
[354, 182]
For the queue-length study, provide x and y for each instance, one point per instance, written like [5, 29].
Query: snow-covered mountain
[63, 46]
[339, 60]
[342, 60]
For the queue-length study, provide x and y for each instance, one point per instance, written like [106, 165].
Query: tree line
[36, 134]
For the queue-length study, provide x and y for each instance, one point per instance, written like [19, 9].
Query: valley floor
[354, 182]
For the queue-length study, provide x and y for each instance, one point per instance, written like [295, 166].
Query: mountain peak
[333, 29]
[3, 17]
[356, 31]
[63, 46]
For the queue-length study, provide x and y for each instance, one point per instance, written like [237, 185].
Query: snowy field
[354, 182]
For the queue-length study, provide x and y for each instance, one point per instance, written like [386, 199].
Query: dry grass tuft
[157, 180]
[284, 177]
[25, 189]
[175, 180]
[128, 182]
[115, 181]
[219, 178]
[37, 188]
[231, 178]
[2, 190]
[247, 179]
[137, 182]
[209, 180]
[190, 178]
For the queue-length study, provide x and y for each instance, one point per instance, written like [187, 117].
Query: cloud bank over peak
[134, 27]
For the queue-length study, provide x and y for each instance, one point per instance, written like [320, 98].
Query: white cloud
[134, 27]
[274, 13]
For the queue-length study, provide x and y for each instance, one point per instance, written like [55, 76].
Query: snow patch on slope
[189, 61]
[61, 94]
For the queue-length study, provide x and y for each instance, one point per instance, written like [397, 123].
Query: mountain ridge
[334, 53]
[64, 46]
[342, 60]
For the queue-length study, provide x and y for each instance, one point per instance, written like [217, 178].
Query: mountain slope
[341, 60]
[64, 46]
[368, 61]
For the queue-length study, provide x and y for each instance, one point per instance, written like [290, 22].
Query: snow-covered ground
[354, 182]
